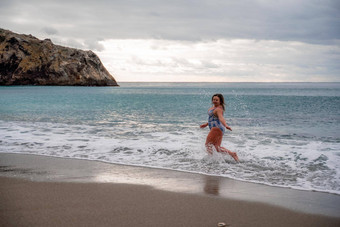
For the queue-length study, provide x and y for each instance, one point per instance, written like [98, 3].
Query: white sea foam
[281, 161]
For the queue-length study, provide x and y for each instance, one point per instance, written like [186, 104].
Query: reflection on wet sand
[212, 185]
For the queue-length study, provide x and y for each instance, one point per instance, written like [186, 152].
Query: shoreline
[208, 175]
[39, 168]
[180, 171]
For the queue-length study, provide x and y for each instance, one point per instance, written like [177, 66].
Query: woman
[217, 126]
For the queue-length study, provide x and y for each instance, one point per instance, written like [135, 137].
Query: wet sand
[46, 191]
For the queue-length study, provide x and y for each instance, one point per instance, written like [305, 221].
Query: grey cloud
[50, 31]
[70, 43]
[94, 45]
[305, 20]
[89, 44]
[209, 64]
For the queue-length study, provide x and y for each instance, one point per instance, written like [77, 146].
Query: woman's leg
[232, 154]
[214, 139]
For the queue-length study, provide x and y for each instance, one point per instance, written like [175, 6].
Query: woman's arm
[219, 113]
[204, 125]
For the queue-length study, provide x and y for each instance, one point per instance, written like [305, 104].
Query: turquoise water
[286, 134]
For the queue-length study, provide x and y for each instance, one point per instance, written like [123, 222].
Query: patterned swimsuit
[213, 121]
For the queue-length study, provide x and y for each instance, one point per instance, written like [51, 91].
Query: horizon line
[228, 82]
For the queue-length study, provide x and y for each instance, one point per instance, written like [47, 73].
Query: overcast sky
[192, 40]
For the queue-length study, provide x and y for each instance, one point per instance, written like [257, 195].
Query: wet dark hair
[221, 100]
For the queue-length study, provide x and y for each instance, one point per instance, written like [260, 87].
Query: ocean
[285, 134]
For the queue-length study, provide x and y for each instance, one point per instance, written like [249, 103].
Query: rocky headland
[26, 60]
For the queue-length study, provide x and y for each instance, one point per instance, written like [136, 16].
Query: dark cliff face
[26, 60]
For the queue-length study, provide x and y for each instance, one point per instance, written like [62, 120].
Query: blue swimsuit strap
[212, 110]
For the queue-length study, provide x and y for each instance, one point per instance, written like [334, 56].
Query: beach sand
[46, 191]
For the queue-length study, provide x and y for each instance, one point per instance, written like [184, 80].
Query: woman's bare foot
[232, 154]
[235, 157]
